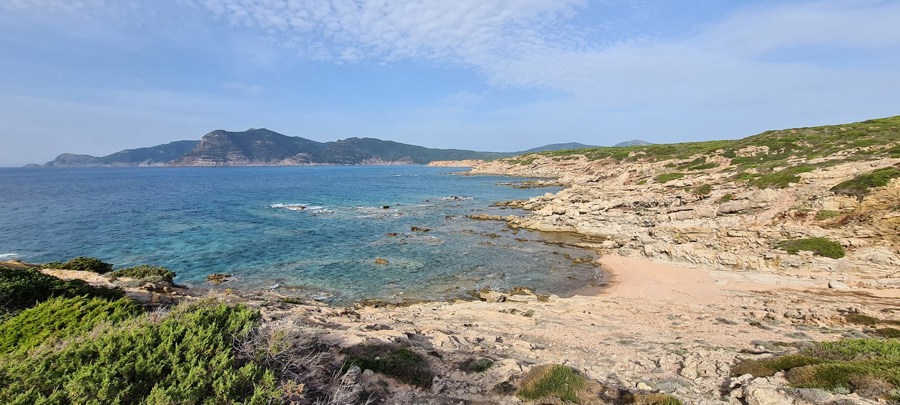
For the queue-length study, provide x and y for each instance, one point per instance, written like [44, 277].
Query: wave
[300, 207]
[8, 256]
[456, 198]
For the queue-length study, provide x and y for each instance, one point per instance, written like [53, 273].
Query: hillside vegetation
[769, 159]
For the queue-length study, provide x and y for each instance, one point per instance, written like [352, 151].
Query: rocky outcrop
[621, 209]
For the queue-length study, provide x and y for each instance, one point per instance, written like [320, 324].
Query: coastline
[662, 325]
[657, 327]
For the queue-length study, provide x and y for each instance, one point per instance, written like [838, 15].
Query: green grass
[726, 198]
[187, 357]
[24, 288]
[667, 177]
[852, 364]
[860, 186]
[819, 246]
[552, 381]
[705, 189]
[397, 362]
[146, 272]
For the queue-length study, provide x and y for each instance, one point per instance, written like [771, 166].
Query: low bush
[552, 381]
[667, 177]
[703, 190]
[781, 178]
[652, 398]
[819, 246]
[83, 264]
[397, 362]
[869, 367]
[146, 272]
[59, 318]
[860, 319]
[184, 357]
[860, 186]
[892, 333]
[24, 288]
[827, 214]
[477, 365]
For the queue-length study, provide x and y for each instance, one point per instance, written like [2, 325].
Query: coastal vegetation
[868, 367]
[860, 186]
[81, 263]
[23, 288]
[667, 177]
[69, 342]
[146, 273]
[553, 380]
[771, 159]
[818, 246]
[397, 362]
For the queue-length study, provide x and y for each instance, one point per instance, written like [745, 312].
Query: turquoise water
[313, 231]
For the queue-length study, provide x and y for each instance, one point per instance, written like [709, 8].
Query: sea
[338, 234]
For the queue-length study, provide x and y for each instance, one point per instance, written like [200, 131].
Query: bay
[313, 232]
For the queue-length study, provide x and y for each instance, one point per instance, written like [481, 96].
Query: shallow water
[311, 231]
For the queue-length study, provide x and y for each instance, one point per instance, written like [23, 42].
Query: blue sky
[99, 76]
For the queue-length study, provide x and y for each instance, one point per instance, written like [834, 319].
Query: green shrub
[703, 166]
[768, 367]
[861, 319]
[477, 365]
[892, 333]
[781, 178]
[187, 357]
[703, 190]
[652, 398]
[819, 246]
[58, 318]
[870, 367]
[553, 380]
[83, 264]
[24, 288]
[400, 363]
[146, 272]
[827, 214]
[860, 186]
[726, 198]
[667, 177]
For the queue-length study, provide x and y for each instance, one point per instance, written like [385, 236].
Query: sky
[99, 76]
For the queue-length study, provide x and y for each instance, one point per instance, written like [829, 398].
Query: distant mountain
[159, 155]
[636, 142]
[262, 147]
[556, 146]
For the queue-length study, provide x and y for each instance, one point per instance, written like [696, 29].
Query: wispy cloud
[530, 43]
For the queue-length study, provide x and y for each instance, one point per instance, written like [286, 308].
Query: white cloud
[464, 31]
[531, 43]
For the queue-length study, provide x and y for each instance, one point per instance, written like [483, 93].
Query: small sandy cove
[657, 327]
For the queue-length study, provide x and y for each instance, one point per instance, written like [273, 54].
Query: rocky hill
[159, 155]
[262, 147]
[743, 204]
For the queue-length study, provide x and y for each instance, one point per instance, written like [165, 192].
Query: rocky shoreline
[699, 283]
